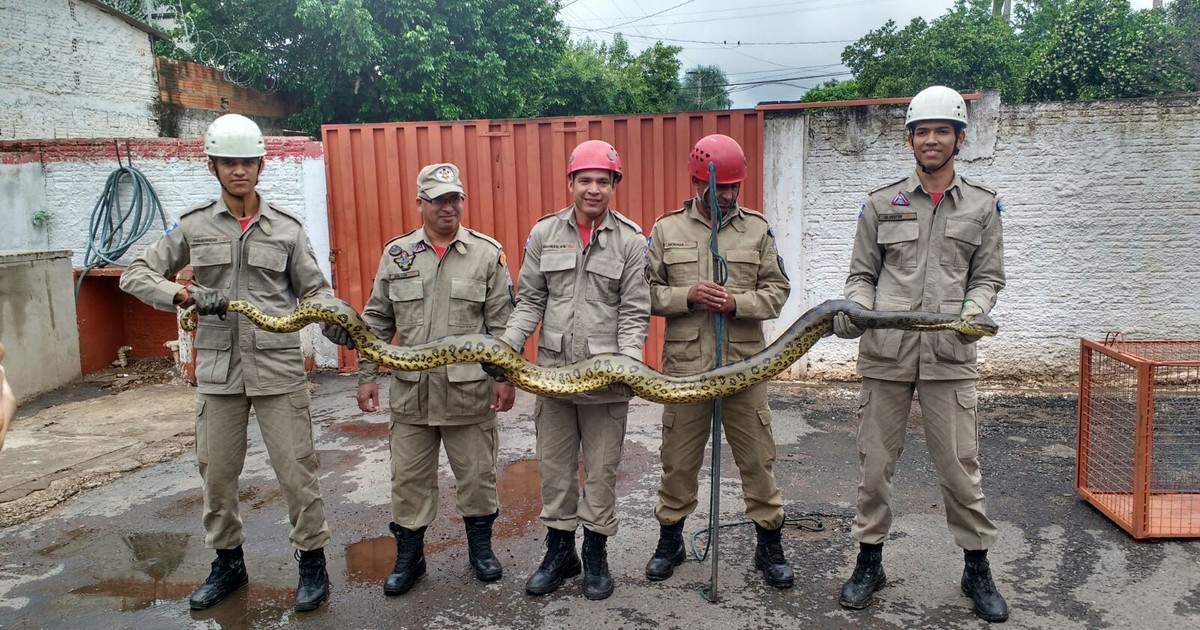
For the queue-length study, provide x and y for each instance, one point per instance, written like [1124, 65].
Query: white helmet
[234, 136]
[937, 102]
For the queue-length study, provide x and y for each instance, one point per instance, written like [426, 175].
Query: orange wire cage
[1138, 434]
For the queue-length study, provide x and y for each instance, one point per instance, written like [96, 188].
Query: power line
[639, 19]
[727, 42]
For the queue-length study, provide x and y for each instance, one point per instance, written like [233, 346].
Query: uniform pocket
[466, 303]
[966, 427]
[963, 237]
[266, 267]
[603, 280]
[745, 340]
[947, 347]
[279, 360]
[201, 432]
[302, 435]
[408, 303]
[743, 268]
[683, 266]
[213, 353]
[403, 395]
[559, 269]
[864, 398]
[899, 240]
[213, 264]
[681, 352]
[470, 390]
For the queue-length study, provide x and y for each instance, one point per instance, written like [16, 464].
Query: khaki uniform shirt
[678, 257]
[270, 264]
[910, 255]
[590, 297]
[417, 298]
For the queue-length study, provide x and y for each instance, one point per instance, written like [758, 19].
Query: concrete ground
[101, 507]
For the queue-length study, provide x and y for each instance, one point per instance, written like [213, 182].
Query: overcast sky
[786, 46]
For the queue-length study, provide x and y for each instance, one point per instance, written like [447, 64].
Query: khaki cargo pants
[286, 425]
[746, 422]
[471, 449]
[951, 431]
[562, 428]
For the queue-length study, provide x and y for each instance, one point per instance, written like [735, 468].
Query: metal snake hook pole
[720, 274]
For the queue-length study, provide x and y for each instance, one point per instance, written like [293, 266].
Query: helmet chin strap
[946, 161]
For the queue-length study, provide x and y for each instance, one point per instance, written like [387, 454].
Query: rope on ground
[806, 522]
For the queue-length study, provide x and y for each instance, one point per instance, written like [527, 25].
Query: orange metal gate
[514, 172]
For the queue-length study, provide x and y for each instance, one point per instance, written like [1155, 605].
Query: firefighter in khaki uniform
[242, 247]
[679, 267]
[440, 279]
[581, 277]
[930, 242]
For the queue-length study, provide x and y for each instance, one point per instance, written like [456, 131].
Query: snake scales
[602, 369]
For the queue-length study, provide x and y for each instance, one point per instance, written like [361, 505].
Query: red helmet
[722, 150]
[595, 154]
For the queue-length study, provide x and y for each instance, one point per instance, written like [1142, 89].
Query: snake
[603, 369]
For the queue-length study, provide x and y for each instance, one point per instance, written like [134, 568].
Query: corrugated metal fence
[514, 172]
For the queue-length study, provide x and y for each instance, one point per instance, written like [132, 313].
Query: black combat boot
[479, 547]
[597, 582]
[561, 562]
[313, 589]
[768, 557]
[978, 585]
[410, 560]
[669, 554]
[228, 575]
[868, 577]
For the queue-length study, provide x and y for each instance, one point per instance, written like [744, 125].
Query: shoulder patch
[627, 221]
[889, 184]
[974, 184]
[199, 206]
[487, 238]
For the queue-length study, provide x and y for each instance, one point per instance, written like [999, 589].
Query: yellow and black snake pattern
[602, 369]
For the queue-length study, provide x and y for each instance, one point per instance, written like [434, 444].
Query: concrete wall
[71, 175]
[37, 321]
[71, 70]
[1101, 220]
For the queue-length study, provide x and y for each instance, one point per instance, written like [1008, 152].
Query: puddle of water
[520, 493]
[157, 554]
[64, 540]
[370, 561]
[364, 430]
[251, 606]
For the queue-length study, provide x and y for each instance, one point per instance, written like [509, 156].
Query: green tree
[832, 90]
[703, 88]
[133, 8]
[1104, 49]
[969, 47]
[1184, 17]
[598, 78]
[377, 60]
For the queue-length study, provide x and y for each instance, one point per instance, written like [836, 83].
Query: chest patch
[900, 199]
[679, 245]
[898, 216]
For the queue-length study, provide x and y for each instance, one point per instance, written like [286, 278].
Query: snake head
[981, 325]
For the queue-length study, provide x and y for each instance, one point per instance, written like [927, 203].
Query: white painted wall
[71, 70]
[37, 321]
[22, 194]
[1101, 221]
[69, 190]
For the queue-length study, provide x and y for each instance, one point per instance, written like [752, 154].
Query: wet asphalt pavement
[128, 553]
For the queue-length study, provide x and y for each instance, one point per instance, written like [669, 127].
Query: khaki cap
[436, 180]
